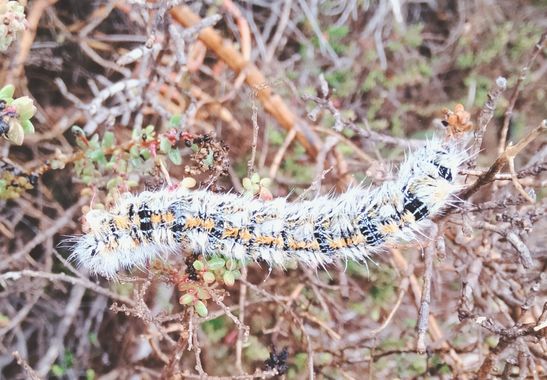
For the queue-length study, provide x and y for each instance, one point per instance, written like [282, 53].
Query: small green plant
[257, 186]
[204, 276]
[12, 22]
[15, 115]
[65, 363]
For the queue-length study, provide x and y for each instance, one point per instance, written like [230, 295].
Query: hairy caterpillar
[352, 225]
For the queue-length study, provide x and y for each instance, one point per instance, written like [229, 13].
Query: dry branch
[253, 76]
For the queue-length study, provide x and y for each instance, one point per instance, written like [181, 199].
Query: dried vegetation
[270, 97]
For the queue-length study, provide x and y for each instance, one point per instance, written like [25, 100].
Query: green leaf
[57, 370]
[94, 142]
[28, 127]
[112, 183]
[247, 184]
[108, 140]
[208, 277]
[201, 309]
[229, 278]
[215, 263]
[4, 319]
[186, 299]
[136, 134]
[165, 145]
[266, 182]
[175, 120]
[175, 157]
[134, 151]
[90, 374]
[255, 178]
[132, 183]
[25, 107]
[237, 274]
[145, 153]
[93, 339]
[210, 159]
[198, 265]
[7, 91]
[97, 155]
[149, 129]
[15, 132]
[203, 294]
[231, 264]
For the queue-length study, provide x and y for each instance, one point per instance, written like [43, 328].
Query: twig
[281, 153]
[29, 371]
[516, 92]
[423, 313]
[33, 18]
[272, 102]
[515, 181]
[251, 163]
[507, 337]
[501, 161]
[257, 375]
[43, 236]
[283, 20]
[243, 334]
[54, 277]
[486, 114]
[56, 345]
[365, 157]
[333, 334]
[403, 287]
[516, 242]
[470, 282]
[197, 350]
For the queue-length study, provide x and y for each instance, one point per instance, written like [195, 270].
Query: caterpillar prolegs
[352, 225]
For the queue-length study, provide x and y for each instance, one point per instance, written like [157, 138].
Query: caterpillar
[353, 225]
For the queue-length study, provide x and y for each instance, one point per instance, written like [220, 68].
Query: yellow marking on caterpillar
[388, 229]
[121, 222]
[264, 240]
[408, 218]
[314, 245]
[168, 217]
[208, 224]
[301, 245]
[155, 218]
[279, 242]
[296, 245]
[291, 243]
[357, 239]
[193, 222]
[230, 232]
[245, 235]
[338, 243]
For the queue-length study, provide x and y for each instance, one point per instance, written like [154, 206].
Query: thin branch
[29, 371]
[486, 114]
[516, 92]
[425, 301]
[501, 161]
[54, 277]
